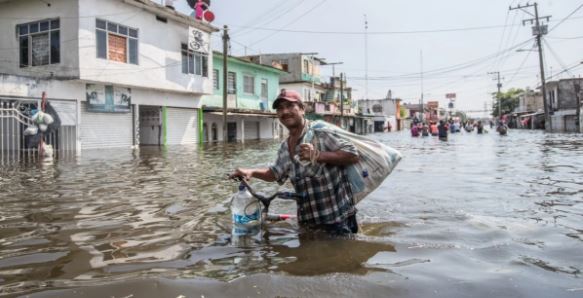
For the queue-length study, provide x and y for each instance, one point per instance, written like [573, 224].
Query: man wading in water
[327, 202]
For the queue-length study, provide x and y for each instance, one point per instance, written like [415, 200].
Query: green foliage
[508, 101]
[462, 115]
[402, 112]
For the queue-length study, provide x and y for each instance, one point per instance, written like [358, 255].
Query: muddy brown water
[478, 215]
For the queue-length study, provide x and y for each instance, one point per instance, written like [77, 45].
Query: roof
[219, 55]
[170, 13]
[321, 60]
[234, 111]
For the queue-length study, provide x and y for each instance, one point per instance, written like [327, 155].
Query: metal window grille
[15, 118]
[39, 42]
[249, 84]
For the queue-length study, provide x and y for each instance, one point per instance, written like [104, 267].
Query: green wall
[244, 100]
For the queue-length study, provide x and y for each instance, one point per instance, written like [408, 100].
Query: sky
[412, 47]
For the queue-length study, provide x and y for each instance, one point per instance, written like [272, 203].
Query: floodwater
[478, 215]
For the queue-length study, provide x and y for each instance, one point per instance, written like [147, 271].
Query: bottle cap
[242, 186]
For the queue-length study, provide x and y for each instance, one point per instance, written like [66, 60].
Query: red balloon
[209, 16]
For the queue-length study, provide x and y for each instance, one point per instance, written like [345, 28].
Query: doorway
[231, 131]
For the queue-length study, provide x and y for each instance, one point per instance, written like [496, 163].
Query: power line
[292, 22]
[519, 68]
[487, 27]
[554, 55]
[273, 15]
[568, 16]
[463, 65]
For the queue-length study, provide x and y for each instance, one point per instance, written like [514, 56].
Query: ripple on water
[476, 211]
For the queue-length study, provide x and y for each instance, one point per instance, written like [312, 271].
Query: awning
[242, 114]
[532, 114]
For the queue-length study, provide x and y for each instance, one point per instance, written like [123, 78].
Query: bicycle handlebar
[266, 200]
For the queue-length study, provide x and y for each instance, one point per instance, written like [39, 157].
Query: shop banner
[108, 99]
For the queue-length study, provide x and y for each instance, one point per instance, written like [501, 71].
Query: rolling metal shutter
[251, 130]
[105, 130]
[570, 123]
[182, 126]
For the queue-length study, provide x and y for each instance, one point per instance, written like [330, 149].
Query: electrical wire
[555, 55]
[460, 66]
[519, 68]
[566, 18]
[274, 14]
[292, 22]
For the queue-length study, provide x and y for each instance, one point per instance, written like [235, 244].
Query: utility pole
[578, 98]
[539, 31]
[499, 85]
[342, 100]
[225, 77]
[365, 57]
[333, 68]
[422, 103]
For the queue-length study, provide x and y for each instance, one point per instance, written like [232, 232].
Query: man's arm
[265, 174]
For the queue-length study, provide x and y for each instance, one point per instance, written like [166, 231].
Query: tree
[403, 112]
[508, 101]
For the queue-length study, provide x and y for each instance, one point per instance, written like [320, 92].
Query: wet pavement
[478, 215]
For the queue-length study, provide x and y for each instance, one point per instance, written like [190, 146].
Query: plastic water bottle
[245, 210]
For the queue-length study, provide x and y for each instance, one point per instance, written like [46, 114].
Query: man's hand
[306, 151]
[246, 174]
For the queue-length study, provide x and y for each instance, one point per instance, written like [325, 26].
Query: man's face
[290, 114]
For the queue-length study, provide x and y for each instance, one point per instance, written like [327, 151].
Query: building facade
[530, 111]
[385, 111]
[119, 73]
[563, 97]
[251, 90]
[302, 72]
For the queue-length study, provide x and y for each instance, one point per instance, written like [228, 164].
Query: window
[39, 43]
[264, 89]
[377, 108]
[116, 42]
[248, 84]
[194, 62]
[216, 79]
[231, 83]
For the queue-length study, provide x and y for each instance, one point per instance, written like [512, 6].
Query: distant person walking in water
[414, 131]
[425, 130]
[480, 127]
[442, 130]
[434, 130]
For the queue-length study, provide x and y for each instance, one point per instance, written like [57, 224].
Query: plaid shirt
[327, 195]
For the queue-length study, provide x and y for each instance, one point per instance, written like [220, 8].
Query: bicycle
[266, 201]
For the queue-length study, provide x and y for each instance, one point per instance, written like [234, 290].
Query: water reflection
[475, 208]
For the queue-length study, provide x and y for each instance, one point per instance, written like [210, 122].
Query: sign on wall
[108, 99]
[198, 41]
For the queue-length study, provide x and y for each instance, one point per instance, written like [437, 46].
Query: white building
[119, 73]
[385, 112]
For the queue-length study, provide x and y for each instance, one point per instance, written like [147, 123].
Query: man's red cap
[289, 95]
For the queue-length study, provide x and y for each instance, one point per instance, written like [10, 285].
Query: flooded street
[478, 215]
